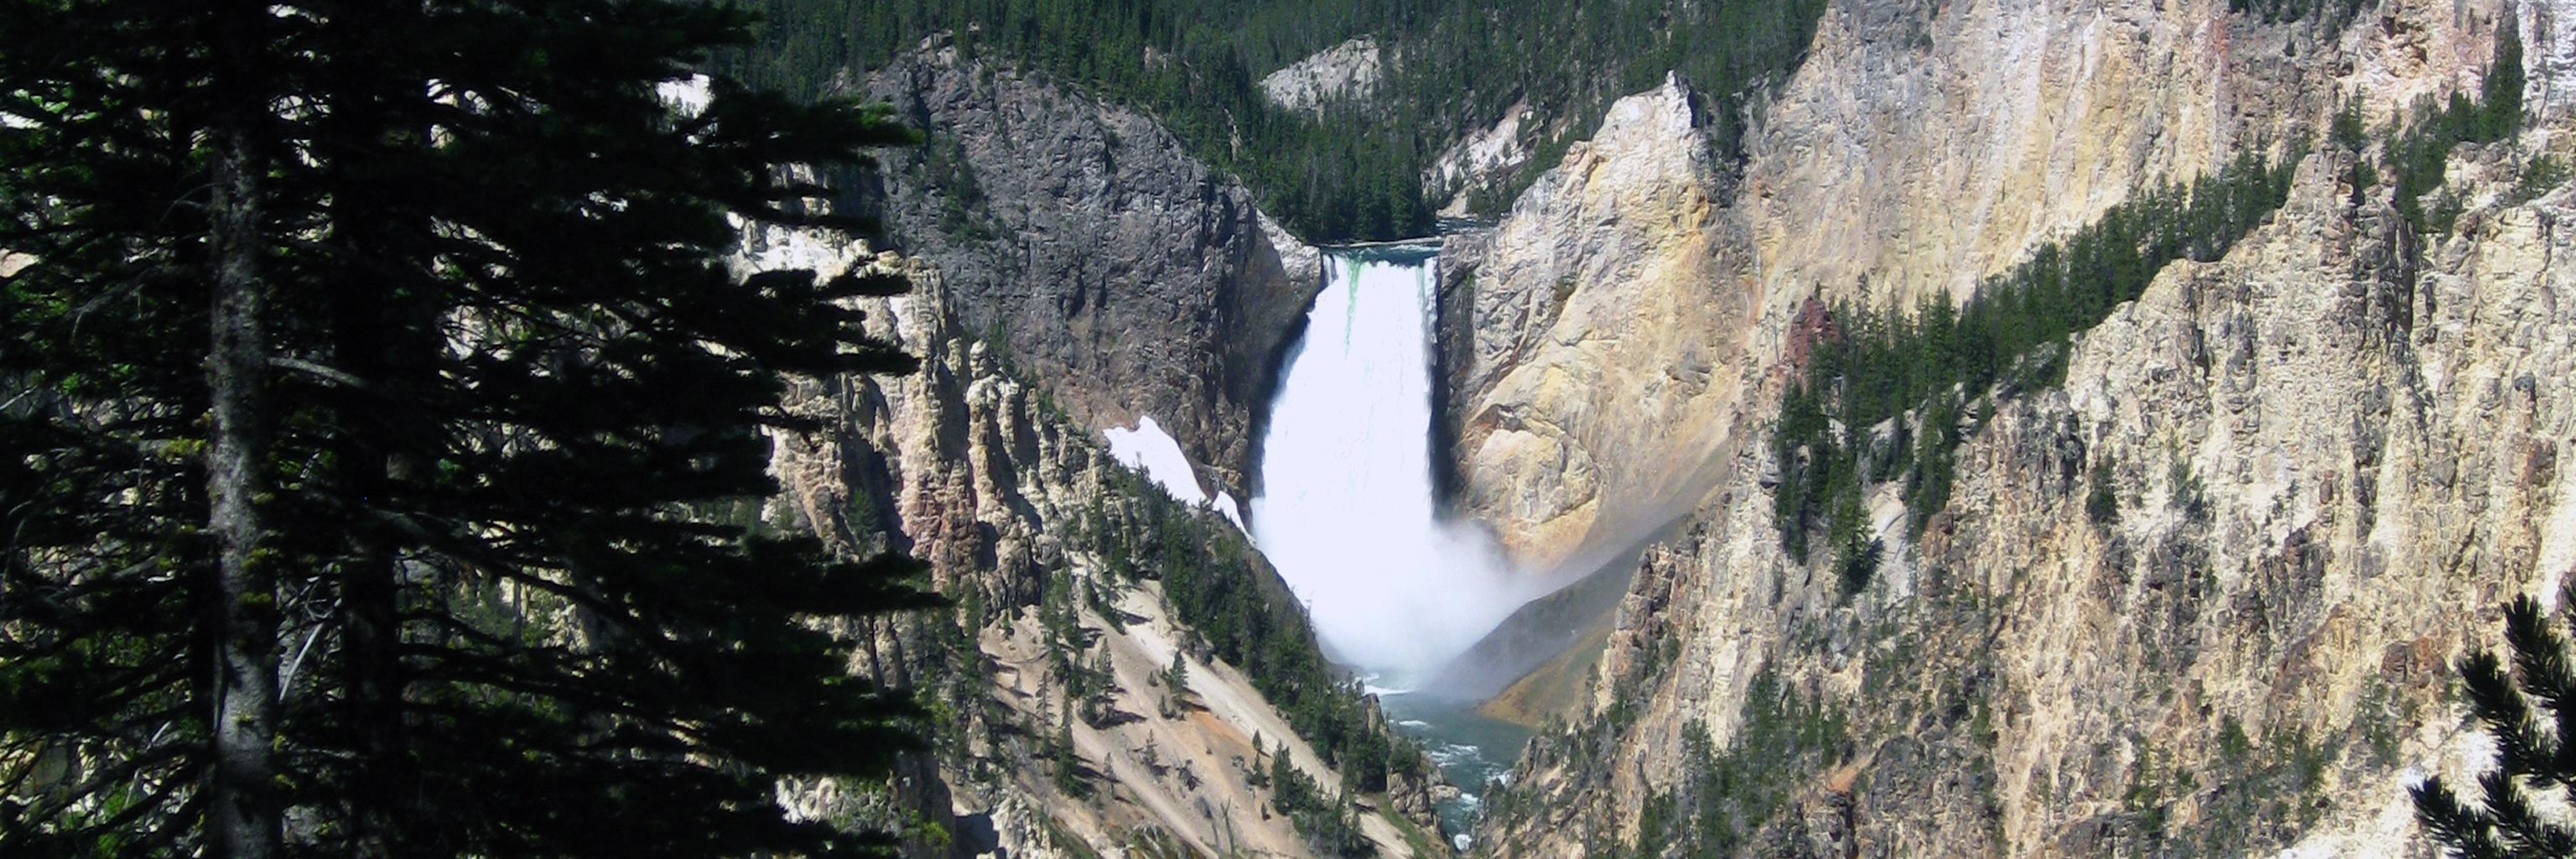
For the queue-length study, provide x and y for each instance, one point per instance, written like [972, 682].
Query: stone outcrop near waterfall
[2328, 455]
[1588, 339]
[1084, 241]
[973, 469]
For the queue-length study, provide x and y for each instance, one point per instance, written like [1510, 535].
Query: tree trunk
[383, 336]
[241, 801]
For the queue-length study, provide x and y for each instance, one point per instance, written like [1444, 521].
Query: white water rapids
[1346, 510]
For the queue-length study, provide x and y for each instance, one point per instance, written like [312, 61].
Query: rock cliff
[1916, 151]
[2328, 469]
[1586, 339]
[2327, 456]
[1085, 243]
[1347, 72]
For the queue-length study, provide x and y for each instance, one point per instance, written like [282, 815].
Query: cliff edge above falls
[1102, 261]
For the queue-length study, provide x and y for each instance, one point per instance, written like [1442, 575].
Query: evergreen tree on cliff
[380, 416]
[2535, 747]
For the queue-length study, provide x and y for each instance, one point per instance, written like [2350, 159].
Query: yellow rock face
[1621, 313]
[2333, 451]
[1601, 399]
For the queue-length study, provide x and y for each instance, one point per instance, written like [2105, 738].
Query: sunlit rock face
[1347, 72]
[1918, 150]
[1587, 340]
[2332, 452]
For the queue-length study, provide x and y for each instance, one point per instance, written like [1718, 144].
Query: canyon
[2329, 453]
[2332, 452]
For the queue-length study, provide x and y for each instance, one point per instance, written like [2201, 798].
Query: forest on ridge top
[1352, 170]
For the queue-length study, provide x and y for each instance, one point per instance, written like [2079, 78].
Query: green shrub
[2102, 501]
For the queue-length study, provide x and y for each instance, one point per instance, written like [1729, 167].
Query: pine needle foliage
[502, 379]
[2530, 713]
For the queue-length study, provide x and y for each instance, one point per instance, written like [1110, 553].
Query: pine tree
[1176, 685]
[2533, 748]
[2499, 112]
[417, 551]
[131, 180]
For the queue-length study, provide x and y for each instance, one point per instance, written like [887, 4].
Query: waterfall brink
[1346, 511]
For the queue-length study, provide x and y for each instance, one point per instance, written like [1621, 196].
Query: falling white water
[1345, 510]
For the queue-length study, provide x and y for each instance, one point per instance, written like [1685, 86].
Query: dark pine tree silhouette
[116, 123]
[377, 405]
[2533, 751]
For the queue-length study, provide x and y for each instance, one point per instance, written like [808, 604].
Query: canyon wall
[1588, 341]
[1918, 150]
[2327, 456]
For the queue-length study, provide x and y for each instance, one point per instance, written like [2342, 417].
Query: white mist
[1346, 510]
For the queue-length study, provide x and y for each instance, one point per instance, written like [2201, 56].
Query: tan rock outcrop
[1346, 72]
[1591, 381]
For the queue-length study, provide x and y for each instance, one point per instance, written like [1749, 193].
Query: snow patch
[1232, 512]
[1149, 449]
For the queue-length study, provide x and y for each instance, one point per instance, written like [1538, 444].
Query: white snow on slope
[1148, 448]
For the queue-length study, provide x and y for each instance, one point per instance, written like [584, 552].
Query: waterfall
[1346, 511]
